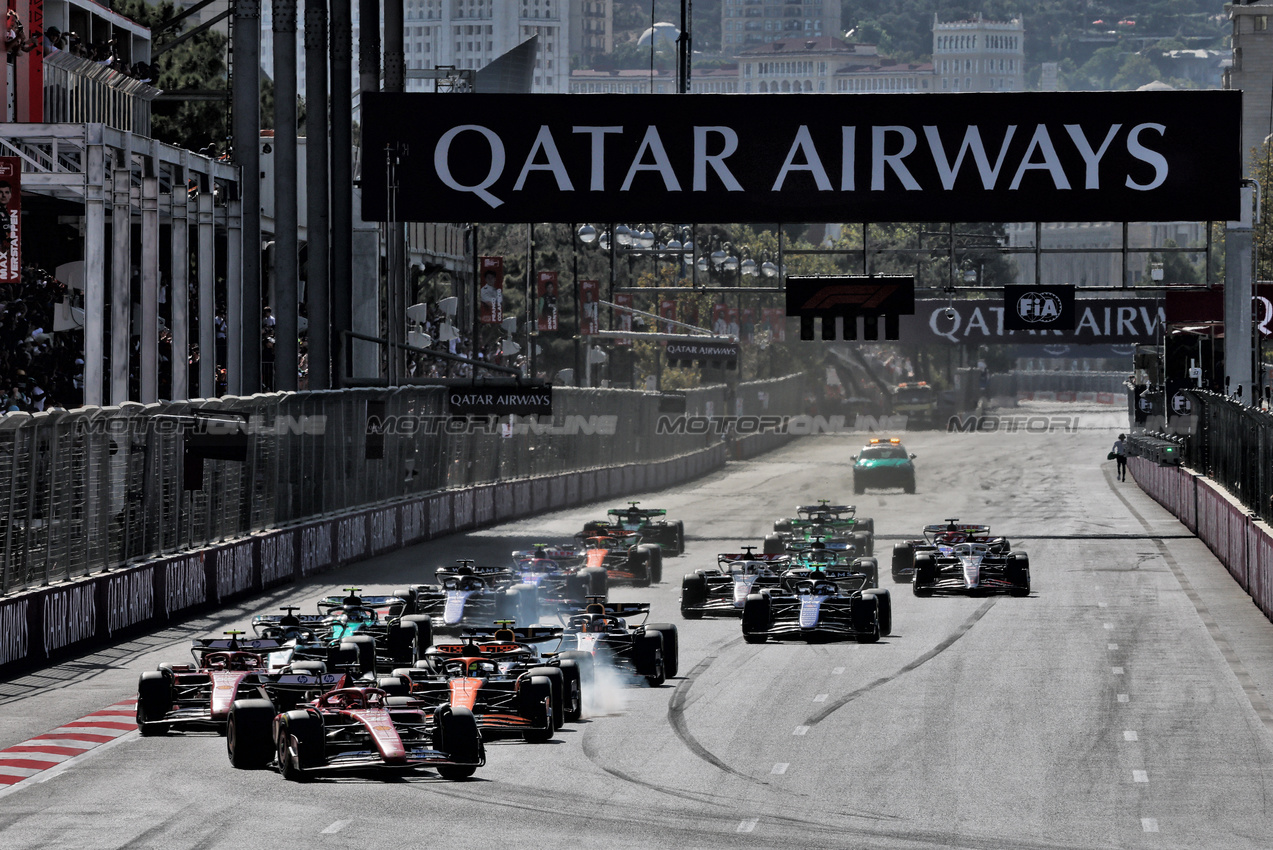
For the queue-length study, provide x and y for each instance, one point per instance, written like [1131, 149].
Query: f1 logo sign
[831, 297]
[1038, 308]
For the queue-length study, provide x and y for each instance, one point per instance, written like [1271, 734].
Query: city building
[1252, 73]
[745, 23]
[979, 55]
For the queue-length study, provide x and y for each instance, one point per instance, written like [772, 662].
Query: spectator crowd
[39, 368]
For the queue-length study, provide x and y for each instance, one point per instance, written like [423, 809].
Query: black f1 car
[725, 589]
[819, 604]
[972, 568]
[940, 538]
[831, 523]
[646, 523]
[472, 595]
[649, 650]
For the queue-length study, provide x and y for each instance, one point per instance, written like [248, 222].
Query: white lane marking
[1140, 776]
[780, 768]
[1149, 824]
[1102, 604]
[1109, 627]
[336, 827]
[1122, 697]
[1129, 735]
[836, 671]
[747, 825]
[800, 730]
[821, 698]
[1118, 671]
[1113, 646]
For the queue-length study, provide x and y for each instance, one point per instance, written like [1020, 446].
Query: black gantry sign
[1021, 156]
[828, 297]
[1037, 308]
[719, 354]
[500, 401]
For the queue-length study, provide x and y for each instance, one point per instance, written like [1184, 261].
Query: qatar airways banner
[1012, 156]
[1102, 321]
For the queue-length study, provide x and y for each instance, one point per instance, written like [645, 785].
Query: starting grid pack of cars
[425, 676]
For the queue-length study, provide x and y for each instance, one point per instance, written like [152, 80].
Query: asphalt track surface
[1123, 704]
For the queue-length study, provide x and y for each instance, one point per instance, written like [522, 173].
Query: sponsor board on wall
[316, 548]
[15, 631]
[384, 529]
[130, 599]
[234, 569]
[1122, 321]
[70, 616]
[351, 538]
[278, 558]
[1010, 156]
[185, 583]
[415, 516]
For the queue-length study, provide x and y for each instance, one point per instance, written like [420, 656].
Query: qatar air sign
[1038, 156]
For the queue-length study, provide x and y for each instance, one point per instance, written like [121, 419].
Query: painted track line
[44, 756]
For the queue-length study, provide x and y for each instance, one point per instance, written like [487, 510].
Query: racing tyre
[903, 560]
[871, 567]
[557, 681]
[885, 600]
[299, 745]
[572, 678]
[423, 634]
[774, 545]
[598, 583]
[680, 537]
[528, 604]
[782, 525]
[365, 646]
[925, 574]
[756, 618]
[671, 647]
[394, 686]
[862, 543]
[534, 690]
[1018, 572]
[693, 595]
[309, 668]
[249, 740]
[400, 643]
[407, 595]
[639, 565]
[865, 612]
[869, 525]
[594, 528]
[342, 656]
[584, 661]
[154, 700]
[656, 565]
[647, 652]
[577, 586]
[455, 733]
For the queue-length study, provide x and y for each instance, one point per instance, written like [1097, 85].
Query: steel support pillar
[286, 241]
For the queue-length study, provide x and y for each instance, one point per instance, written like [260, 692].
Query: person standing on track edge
[1120, 456]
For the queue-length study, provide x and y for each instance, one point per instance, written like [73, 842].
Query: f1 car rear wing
[368, 601]
[729, 557]
[526, 634]
[828, 509]
[966, 528]
[649, 513]
[545, 552]
[289, 619]
[233, 644]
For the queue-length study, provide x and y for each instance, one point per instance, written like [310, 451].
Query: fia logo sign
[1039, 307]
[1181, 405]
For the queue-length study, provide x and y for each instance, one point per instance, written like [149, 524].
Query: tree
[196, 64]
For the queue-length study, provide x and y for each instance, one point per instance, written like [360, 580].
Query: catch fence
[93, 489]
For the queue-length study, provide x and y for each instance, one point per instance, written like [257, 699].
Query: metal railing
[95, 488]
[1012, 383]
[1232, 444]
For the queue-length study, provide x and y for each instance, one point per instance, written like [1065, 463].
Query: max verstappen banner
[1011, 156]
[1102, 321]
[547, 301]
[10, 219]
[589, 295]
[491, 306]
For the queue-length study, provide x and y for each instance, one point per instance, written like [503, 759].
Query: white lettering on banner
[70, 616]
[185, 584]
[130, 599]
[14, 632]
[463, 508]
[316, 549]
[802, 155]
[439, 515]
[384, 526]
[234, 570]
[278, 556]
[351, 538]
[1123, 321]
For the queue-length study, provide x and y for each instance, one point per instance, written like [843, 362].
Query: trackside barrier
[1240, 541]
[42, 624]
